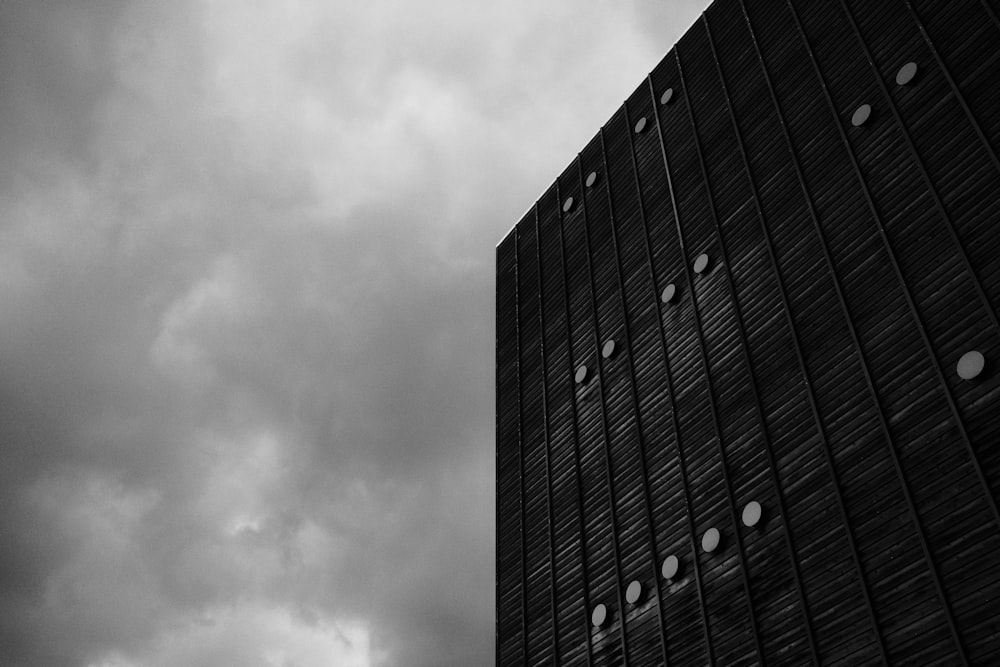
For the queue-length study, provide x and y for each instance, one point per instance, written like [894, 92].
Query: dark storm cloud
[246, 316]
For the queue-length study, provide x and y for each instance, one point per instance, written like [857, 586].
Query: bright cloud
[246, 314]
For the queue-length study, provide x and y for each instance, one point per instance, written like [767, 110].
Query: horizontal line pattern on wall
[809, 365]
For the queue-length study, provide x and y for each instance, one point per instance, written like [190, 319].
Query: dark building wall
[811, 367]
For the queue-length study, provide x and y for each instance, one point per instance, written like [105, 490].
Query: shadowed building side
[747, 354]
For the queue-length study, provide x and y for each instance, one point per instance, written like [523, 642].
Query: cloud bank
[246, 314]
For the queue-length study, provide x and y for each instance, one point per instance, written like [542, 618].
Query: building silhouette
[747, 398]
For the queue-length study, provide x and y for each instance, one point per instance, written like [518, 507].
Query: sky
[247, 314]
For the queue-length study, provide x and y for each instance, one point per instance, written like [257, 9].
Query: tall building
[747, 350]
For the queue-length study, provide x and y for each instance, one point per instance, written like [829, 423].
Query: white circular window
[608, 349]
[599, 615]
[667, 96]
[906, 73]
[701, 263]
[971, 365]
[568, 205]
[640, 125]
[581, 374]
[861, 115]
[670, 566]
[591, 179]
[669, 292]
[633, 592]
[710, 540]
[752, 513]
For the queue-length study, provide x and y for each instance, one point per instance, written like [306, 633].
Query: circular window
[710, 540]
[670, 567]
[568, 205]
[591, 179]
[633, 592]
[581, 374]
[752, 513]
[669, 292]
[599, 615]
[667, 96]
[701, 263]
[906, 73]
[971, 365]
[640, 125]
[861, 115]
[608, 349]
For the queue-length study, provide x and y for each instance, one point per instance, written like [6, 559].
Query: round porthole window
[670, 567]
[861, 115]
[710, 540]
[568, 205]
[752, 513]
[971, 365]
[599, 616]
[591, 179]
[667, 96]
[669, 292]
[633, 592]
[701, 263]
[906, 73]
[640, 125]
[581, 374]
[608, 349]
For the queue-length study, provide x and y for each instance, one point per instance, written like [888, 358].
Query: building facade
[747, 397]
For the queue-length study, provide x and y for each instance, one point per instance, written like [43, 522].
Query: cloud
[246, 316]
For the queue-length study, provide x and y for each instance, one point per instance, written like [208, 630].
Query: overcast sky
[246, 314]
